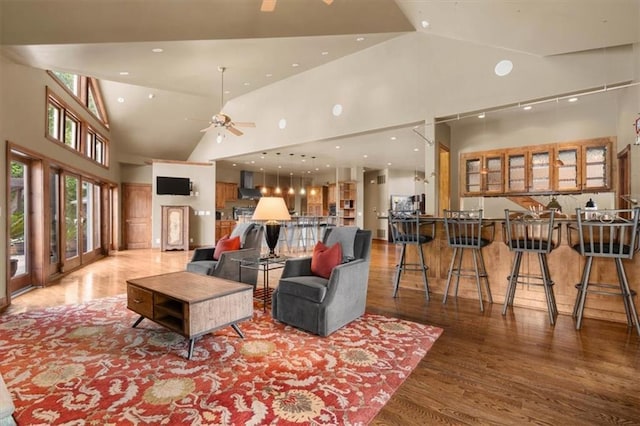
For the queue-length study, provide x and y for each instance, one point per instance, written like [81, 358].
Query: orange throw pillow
[226, 244]
[324, 259]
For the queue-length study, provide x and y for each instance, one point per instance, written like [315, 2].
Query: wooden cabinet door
[231, 192]
[221, 189]
[493, 173]
[596, 166]
[175, 228]
[470, 175]
[516, 171]
[567, 176]
[540, 168]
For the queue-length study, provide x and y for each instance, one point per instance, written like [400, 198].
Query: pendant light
[302, 190]
[264, 182]
[313, 188]
[278, 191]
[291, 190]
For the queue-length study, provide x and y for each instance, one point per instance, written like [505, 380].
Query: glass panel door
[54, 228]
[72, 223]
[19, 253]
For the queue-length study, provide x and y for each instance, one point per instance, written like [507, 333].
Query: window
[71, 131]
[70, 81]
[86, 90]
[54, 114]
[65, 126]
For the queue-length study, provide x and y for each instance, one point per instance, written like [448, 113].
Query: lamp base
[272, 234]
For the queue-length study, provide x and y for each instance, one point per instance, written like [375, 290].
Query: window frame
[84, 129]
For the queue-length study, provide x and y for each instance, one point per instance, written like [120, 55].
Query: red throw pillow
[226, 244]
[324, 259]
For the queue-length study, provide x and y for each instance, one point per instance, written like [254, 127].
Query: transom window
[65, 126]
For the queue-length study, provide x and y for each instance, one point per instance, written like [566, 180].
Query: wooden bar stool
[529, 232]
[408, 229]
[611, 234]
[464, 232]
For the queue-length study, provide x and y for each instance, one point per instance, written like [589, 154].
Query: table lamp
[271, 209]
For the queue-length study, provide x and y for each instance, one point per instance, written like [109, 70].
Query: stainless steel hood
[247, 191]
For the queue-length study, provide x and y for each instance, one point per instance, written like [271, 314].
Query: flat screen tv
[172, 186]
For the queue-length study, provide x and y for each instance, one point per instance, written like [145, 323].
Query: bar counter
[565, 265]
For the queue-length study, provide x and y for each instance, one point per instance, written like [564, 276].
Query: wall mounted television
[172, 185]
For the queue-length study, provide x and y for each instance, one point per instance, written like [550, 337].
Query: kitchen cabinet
[316, 200]
[225, 191]
[224, 227]
[552, 168]
[482, 173]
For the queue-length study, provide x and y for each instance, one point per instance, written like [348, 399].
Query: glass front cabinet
[541, 169]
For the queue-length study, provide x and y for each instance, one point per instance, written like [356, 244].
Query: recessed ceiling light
[282, 124]
[121, 100]
[573, 99]
[279, 167]
[246, 83]
[262, 158]
[124, 72]
[527, 108]
[416, 149]
[157, 50]
[360, 39]
[328, 165]
[151, 95]
[481, 115]
[337, 146]
[268, 75]
[425, 24]
[503, 67]
[234, 164]
[295, 64]
[253, 162]
[365, 156]
[325, 53]
[337, 110]
[226, 92]
[317, 168]
[393, 138]
[388, 164]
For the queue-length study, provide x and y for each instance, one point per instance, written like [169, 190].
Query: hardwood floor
[485, 368]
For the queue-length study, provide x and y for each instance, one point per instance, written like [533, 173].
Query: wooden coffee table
[190, 304]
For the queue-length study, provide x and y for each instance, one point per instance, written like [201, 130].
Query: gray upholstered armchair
[227, 266]
[321, 305]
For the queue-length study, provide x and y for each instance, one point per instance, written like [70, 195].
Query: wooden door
[624, 179]
[137, 215]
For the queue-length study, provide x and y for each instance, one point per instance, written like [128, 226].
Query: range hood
[247, 191]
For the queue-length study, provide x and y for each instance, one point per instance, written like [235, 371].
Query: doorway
[444, 179]
[624, 178]
[137, 215]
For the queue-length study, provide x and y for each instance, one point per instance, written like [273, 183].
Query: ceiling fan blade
[328, 2]
[234, 131]
[208, 128]
[244, 124]
[268, 5]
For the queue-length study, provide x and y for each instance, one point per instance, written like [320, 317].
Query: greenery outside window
[70, 81]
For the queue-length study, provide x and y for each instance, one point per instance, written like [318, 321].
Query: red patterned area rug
[84, 364]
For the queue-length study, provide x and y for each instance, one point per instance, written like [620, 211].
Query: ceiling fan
[270, 5]
[222, 120]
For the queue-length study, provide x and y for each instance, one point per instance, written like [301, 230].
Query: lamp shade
[271, 208]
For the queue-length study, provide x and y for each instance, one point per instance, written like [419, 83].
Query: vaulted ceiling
[170, 96]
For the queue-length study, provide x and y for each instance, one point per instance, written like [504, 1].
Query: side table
[264, 264]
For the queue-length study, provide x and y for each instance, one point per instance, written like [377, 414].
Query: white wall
[401, 81]
[202, 201]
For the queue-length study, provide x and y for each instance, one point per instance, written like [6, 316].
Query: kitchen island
[565, 265]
